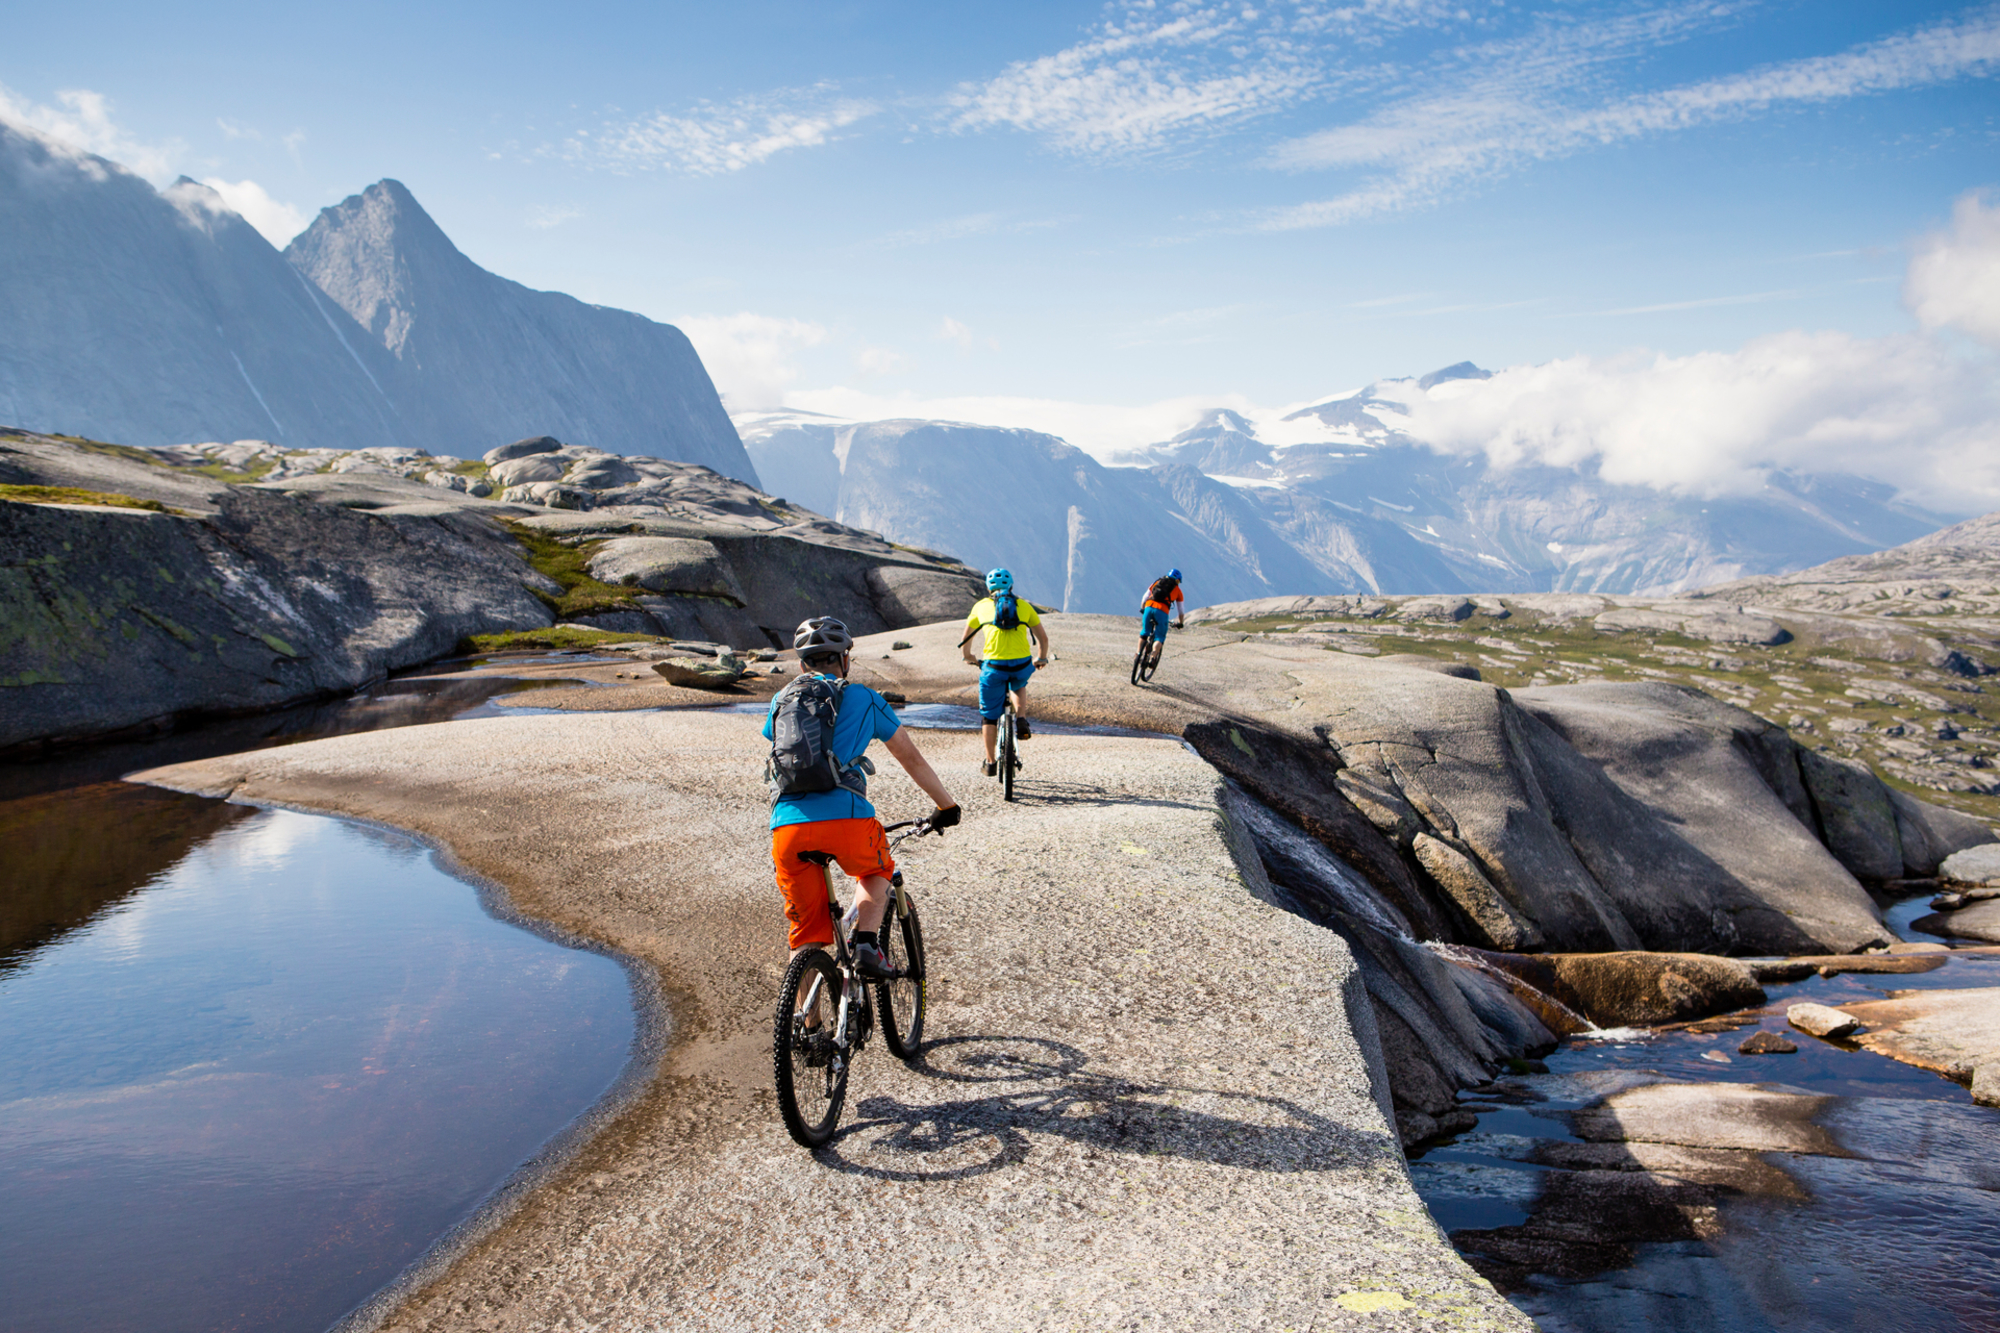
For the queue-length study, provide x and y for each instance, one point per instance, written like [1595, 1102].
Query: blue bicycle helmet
[999, 580]
[1174, 574]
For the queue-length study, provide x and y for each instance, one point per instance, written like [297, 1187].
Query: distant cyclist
[1004, 662]
[819, 727]
[1161, 597]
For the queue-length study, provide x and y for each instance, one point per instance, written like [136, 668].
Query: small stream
[258, 1062]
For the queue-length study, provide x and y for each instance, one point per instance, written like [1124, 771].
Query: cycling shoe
[1022, 731]
[870, 965]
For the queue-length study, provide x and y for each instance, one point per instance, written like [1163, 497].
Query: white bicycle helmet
[822, 636]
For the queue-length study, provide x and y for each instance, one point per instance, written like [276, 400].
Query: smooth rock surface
[1820, 1020]
[1975, 921]
[1955, 1032]
[1060, 1157]
[1974, 865]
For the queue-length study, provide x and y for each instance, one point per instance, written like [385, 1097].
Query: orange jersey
[1176, 597]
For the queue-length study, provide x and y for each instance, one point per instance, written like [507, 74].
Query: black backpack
[1162, 590]
[802, 761]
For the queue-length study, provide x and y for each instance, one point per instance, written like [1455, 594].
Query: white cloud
[278, 221]
[712, 140]
[1903, 409]
[1506, 104]
[1954, 278]
[751, 357]
[82, 120]
[951, 331]
[873, 361]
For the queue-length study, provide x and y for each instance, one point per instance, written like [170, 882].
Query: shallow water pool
[251, 1089]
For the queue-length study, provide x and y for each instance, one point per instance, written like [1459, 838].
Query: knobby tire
[903, 1000]
[1007, 761]
[810, 1093]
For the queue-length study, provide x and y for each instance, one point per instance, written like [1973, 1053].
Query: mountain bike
[1007, 758]
[1147, 660]
[826, 1010]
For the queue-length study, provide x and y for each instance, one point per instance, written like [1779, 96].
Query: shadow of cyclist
[1028, 1086]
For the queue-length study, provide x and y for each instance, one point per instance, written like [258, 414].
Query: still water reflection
[249, 1093]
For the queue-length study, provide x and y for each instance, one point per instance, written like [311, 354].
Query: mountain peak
[1464, 370]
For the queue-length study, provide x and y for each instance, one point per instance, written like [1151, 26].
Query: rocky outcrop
[1627, 989]
[232, 598]
[1952, 1032]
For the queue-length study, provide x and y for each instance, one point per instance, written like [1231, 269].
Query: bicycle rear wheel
[1138, 661]
[1008, 762]
[903, 999]
[810, 1072]
[1152, 662]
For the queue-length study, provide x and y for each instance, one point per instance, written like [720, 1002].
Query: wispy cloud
[277, 220]
[82, 120]
[1703, 303]
[543, 217]
[1541, 97]
[752, 358]
[714, 139]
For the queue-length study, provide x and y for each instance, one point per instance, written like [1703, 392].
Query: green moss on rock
[76, 495]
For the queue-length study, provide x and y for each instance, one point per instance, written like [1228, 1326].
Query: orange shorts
[859, 847]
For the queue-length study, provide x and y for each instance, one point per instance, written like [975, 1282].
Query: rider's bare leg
[989, 733]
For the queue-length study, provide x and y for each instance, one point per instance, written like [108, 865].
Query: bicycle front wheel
[809, 1070]
[902, 999]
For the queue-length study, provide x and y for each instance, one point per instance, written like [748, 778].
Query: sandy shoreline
[1145, 1105]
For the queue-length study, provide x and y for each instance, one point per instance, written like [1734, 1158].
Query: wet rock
[1783, 970]
[1767, 1043]
[1755, 1117]
[1931, 834]
[1617, 989]
[1953, 1032]
[701, 673]
[1978, 920]
[1974, 865]
[1820, 1020]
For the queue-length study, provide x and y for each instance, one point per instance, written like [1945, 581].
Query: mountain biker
[1004, 662]
[1161, 597]
[842, 821]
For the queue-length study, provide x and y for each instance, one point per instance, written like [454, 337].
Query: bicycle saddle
[817, 858]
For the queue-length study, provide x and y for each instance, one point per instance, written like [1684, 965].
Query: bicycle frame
[898, 907]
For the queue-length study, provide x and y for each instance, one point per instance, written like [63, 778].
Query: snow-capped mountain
[158, 317]
[1348, 502]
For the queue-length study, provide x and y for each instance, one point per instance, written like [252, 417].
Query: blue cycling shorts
[1152, 623]
[996, 678]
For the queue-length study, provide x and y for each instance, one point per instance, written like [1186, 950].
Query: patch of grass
[471, 467]
[569, 566]
[559, 636]
[129, 452]
[74, 495]
[257, 471]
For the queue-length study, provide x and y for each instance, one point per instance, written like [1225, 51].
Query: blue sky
[855, 206]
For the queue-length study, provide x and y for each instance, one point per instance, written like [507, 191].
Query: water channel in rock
[258, 1062]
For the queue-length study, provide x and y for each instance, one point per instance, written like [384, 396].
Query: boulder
[1634, 987]
[921, 596]
[1978, 920]
[1974, 865]
[1752, 1117]
[1767, 1043]
[552, 494]
[1820, 1020]
[1931, 834]
[1714, 625]
[537, 444]
[1436, 608]
[701, 673]
[601, 473]
[1856, 818]
[526, 468]
[666, 564]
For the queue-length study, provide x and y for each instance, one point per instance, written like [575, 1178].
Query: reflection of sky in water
[250, 1094]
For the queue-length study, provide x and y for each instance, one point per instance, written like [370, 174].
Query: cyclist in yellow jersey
[1004, 661]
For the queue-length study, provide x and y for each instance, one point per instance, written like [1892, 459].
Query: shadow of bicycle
[1042, 791]
[1022, 1087]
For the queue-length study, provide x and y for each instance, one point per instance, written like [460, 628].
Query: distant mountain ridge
[1363, 507]
[161, 317]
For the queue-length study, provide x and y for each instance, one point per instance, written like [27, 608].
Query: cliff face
[161, 317]
[154, 317]
[489, 359]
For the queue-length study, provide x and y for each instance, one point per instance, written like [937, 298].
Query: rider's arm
[919, 768]
[972, 632]
[1180, 608]
[1041, 641]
